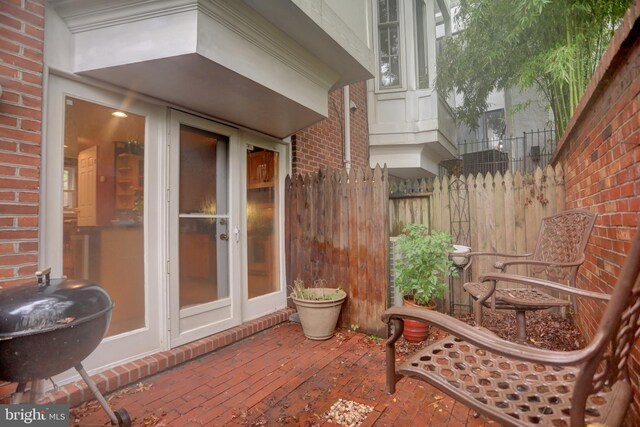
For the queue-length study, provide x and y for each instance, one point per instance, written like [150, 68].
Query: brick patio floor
[278, 377]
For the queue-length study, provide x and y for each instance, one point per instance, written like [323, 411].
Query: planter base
[319, 318]
[415, 331]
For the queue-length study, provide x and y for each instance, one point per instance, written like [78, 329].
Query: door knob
[224, 236]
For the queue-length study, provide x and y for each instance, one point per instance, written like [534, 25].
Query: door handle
[224, 236]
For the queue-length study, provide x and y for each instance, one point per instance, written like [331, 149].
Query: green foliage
[554, 45]
[312, 293]
[423, 263]
[354, 327]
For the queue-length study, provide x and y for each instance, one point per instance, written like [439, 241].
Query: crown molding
[87, 15]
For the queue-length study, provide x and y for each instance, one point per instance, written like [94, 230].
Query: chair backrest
[614, 341]
[563, 238]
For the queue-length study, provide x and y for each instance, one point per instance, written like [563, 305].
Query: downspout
[347, 128]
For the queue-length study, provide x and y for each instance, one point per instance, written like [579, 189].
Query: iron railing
[518, 153]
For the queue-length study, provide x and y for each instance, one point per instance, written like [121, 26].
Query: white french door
[204, 296]
[264, 289]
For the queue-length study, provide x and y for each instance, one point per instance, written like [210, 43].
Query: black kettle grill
[49, 326]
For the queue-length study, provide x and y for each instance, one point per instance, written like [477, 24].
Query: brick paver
[278, 377]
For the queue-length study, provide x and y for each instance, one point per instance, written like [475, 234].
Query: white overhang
[317, 27]
[409, 159]
[221, 58]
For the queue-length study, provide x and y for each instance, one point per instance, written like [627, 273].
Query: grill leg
[17, 396]
[92, 386]
[37, 390]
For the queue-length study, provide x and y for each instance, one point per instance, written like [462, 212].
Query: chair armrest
[542, 283]
[499, 254]
[486, 340]
[502, 265]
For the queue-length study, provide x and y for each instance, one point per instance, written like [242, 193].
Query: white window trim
[402, 63]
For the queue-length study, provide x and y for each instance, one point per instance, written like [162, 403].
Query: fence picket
[498, 213]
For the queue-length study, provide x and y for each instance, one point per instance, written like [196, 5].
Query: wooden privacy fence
[336, 229]
[504, 212]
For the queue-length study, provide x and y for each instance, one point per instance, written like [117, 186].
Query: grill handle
[43, 274]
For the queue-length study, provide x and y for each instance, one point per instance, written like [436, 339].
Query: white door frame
[148, 339]
[192, 323]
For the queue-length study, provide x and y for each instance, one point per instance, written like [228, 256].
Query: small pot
[415, 331]
[460, 261]
[319, 317]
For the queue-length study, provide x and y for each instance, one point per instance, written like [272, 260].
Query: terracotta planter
[415, 331]
[319, 317]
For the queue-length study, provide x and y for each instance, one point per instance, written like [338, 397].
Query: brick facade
[600, 152]
[322, 145]
[21, 71]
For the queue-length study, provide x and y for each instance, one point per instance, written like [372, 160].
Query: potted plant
[318, 307]
[421, 269]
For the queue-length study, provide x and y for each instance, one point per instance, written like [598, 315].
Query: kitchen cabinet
[128, 176]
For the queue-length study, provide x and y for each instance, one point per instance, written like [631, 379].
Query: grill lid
[37, 307]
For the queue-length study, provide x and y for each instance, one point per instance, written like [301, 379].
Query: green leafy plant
[314, 292]
[423, 263]
[354, 327]
[554, 46]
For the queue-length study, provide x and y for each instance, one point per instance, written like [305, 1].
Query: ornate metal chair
[559, 252]
[518, 385]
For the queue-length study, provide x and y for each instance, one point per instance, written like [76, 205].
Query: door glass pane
[103, 190]
[203, 172]
[203, 261]
[262, 220]
[203, 242]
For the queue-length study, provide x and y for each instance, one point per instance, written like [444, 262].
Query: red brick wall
[600, 152]
[322, 146]
[21, 66]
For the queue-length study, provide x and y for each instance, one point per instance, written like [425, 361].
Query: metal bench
[559, 252]
[518, 385]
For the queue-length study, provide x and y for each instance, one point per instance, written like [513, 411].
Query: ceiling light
[119, 114]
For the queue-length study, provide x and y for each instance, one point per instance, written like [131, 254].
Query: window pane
[421, 45]
[385, 72]
[202, 160]
[103, 238]
[395, 72]
[203, 272]
[495, 124]
[383, 11]
[393, 10]
[262, 242]
[394, 41]
[384, 42]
